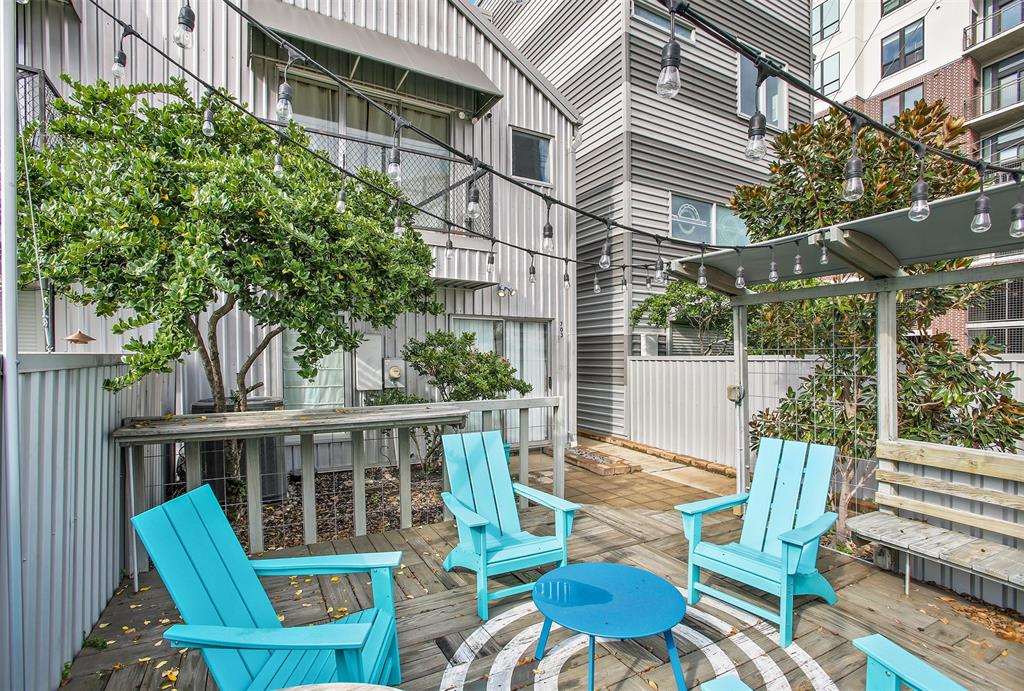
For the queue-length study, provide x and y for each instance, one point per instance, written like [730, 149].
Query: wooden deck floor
[627, 519]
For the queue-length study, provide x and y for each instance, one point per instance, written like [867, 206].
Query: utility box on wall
[369, 356]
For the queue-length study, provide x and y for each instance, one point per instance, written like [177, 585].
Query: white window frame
[762, 98]
[659, 10]
[713, 220]
[513, 129]
[838, 23]
[819, 71]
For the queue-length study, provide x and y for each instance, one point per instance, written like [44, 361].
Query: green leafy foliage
[150, 222]
[684, 303]
[460, 371]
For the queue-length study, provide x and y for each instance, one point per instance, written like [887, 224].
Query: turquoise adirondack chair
[778, 547]
[229, 616]
[891, 668]
[482, 499]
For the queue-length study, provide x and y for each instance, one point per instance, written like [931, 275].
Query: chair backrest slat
[790, 488]
[479, 476]
[208, 576]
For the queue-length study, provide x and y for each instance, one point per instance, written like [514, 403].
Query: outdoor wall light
[505, 290]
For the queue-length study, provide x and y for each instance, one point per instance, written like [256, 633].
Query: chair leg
[396, 666]
[818, 585]
[786, 612]
[881, 679]
[481, 593]
[448, 562]
[692, 579]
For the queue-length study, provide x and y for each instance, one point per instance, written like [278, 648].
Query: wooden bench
[897, 488]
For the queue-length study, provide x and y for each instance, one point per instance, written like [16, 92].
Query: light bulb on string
[1017, 211]
[982, 219]
[284, 101]
[565, 276]
[669, 82]
[823, 258]
[473, 209]
[702, 272]
[919, 208]
[394, 169]
[278, 165]
[449, 248]
[533, 270]
[597, 285]
[183, 34]
[757, 144]
[547, 243]
[853, 185]
[741, 282]
[773, 269]
[119, 69]
[659, 266]
[342, 202]
[798, 267]
[208, 129]
[625, 275]
[647, 281]
[605, 261]
[490, 259]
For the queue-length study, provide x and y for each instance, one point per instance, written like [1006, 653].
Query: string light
[118, 69]
[853, 187]
[741, 282]
[278, 165]
[449, 248]
[605, 261]
[208, 129]
[798, 268]
[186, 25]
[647, 282]
[473, 210]
[823, 259]
[702, 272]
[284, 92]
[669, 82]
[547, 243]
[399, 225]
[341, 204]
[757, 145]
[490, 259]
[659, 266]
[395, 161]
[773, 269]
[565, 276]
[597, 285]
[625, 275]
[919, 209]
[1017, 211]
[982, 220]
[533, 270]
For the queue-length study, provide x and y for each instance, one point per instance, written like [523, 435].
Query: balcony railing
[36, 94]
[439, 184]
[994, 24]
[1007, 93]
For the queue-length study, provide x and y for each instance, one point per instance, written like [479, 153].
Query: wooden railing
[251, 428]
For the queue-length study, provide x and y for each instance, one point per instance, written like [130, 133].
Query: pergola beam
[862, 253]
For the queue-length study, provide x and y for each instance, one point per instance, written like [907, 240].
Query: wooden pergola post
[886, 336]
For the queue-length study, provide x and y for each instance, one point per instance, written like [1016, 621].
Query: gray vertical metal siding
[72, 492]
[54, 39]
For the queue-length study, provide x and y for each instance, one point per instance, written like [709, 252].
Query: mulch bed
[282, 521]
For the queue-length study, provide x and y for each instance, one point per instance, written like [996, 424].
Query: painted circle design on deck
[546, 671]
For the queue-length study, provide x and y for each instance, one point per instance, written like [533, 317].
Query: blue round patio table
[610, 601]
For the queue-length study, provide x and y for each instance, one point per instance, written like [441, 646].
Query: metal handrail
[992, 98]
[989, 22]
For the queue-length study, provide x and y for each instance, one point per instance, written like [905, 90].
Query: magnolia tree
[140, 215]
[945, 394]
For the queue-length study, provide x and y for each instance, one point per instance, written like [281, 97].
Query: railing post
[193, 467]
[524, 451]
[558, 437]
[358, 483]
[739, 341]
[404, 478]
[254, 494]
[137, 482]
[308, 488]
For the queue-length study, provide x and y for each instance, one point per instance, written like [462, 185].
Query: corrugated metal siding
[51, 37]
[72, 495]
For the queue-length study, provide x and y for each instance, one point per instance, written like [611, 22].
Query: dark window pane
[890, 54]
[530, 156]
[748, 86]
[890, 108]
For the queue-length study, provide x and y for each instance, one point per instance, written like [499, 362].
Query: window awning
[364, 45]
[876, 247]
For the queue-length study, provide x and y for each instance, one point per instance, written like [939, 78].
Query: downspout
[9, 331]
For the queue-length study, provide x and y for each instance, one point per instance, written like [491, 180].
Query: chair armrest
[327, 565]
[463, 513]
[712, 505]
[905, 666]
[809, 532]
[322, 637]
[545, 499]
